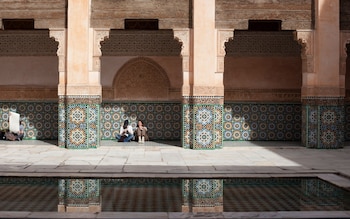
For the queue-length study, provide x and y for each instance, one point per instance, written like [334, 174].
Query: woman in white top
[126, 132]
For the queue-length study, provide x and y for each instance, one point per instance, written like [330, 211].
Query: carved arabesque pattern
[141, 79]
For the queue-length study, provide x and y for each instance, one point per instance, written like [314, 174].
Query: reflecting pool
[170, 195]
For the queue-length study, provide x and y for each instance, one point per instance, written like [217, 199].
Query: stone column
[322, 90]
[203, 88]
[82, 93]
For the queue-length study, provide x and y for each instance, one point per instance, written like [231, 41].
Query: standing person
[141, 132]
[126, 132]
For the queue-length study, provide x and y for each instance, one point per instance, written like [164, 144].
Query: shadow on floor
[147, 143]
[169, 143]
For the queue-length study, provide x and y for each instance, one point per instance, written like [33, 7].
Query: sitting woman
[126, 132]
[141, 131]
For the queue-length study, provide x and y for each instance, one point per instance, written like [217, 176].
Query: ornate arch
[141, 79]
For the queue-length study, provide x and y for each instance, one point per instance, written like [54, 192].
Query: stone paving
[169, 159]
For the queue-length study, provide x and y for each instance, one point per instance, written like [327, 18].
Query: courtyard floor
[169, 159]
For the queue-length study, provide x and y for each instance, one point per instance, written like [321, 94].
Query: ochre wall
[110, 65]
[262, 73]
[29, 70]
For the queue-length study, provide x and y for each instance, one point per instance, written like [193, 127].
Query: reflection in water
[170, 195]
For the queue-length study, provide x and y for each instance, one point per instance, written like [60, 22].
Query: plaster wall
[33, 70]
[110, 65]
[262, 73]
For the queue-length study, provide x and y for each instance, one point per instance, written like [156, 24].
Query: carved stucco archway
[141, 79]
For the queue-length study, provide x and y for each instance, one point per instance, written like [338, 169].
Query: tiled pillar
[323, 122]
[202, 122]
[203, 85]
[323, 85]
[80, 90]
[79, 195]
[202, 195]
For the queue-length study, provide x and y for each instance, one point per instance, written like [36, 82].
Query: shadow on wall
[142, 97]
[262, 122]
[39, 118]
[163, 120]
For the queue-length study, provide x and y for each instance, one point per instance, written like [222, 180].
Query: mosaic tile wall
[39, 118]
[241, 121]
[163, 120]
[260, 122]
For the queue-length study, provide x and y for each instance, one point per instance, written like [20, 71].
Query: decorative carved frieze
[203, 100]
[263, 95]
[141, 43]
[261, 43]
[306, 40]
[223, 36]
[322, 91]
[27, 43]
[83, 99]
[183, 36]
[323, 101]
[99, 36]
[344, 41]
[60, 36]
[11, 92]
[208, 90]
